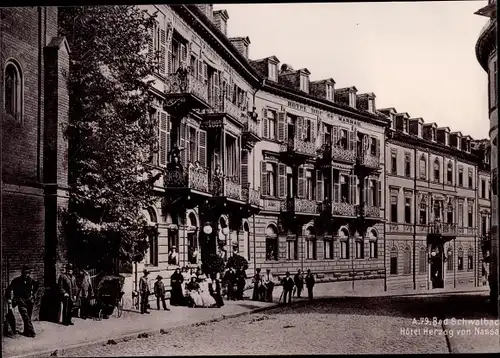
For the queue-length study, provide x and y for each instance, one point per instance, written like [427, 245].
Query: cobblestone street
[330, 326]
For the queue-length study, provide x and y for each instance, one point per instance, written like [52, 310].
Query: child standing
[160, 293]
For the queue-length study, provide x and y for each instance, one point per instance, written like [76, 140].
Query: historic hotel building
[486, 52]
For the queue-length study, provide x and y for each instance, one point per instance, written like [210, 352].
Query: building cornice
[486, 43]
[364, 116]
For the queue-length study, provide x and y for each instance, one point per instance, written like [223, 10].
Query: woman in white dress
[194, 293]
[187, 278]
[206, 297]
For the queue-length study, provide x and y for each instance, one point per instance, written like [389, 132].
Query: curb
[129, 336]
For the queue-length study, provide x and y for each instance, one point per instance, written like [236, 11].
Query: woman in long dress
[194, 293]
[206, 297]
[215, 290]
[187, 279]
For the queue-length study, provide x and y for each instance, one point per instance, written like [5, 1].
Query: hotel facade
[294, 174]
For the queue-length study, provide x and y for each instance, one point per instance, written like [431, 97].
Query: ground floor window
[373, 249]
[407, 261]
[470, 260]
[152, 254]
[394, 261]
[311, 248]
[460, 261]
[344, 249]
[422, 260]
[360, 249]
[173, 247]
[271, 243]
[192, 248]
[449, 262]
[328, 246]
[291, 248]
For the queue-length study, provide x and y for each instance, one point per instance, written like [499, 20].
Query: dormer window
[329, 92]
[273, 70]
[433, 134]
[304, 83]
[352, 99]
[405, 125]
[371, 105]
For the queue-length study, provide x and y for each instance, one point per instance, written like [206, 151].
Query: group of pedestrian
[76, 291]
[234, 281]
[264, 285]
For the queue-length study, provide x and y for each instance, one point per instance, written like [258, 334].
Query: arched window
[422, 260]
[271, 243]
[360, 248]
[449, 173]
[394, 261]
[193, 254]
[470, 259]
[407, 261]
[344, 243]
[460, 262]
[245, 252]
[449, 257]
[373, 244]
[311, 243]
[13, 91]
[423, 167]
[437, 170]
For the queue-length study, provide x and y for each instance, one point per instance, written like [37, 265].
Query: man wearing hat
[67, 288]
[144, 291]
[24, 289]
[288, 285]
[160, 293]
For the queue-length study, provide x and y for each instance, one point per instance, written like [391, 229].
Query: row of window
[438, 211]
[436, 170]
[423, 260]
[311, 247]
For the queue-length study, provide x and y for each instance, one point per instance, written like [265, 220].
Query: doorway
[436, 266]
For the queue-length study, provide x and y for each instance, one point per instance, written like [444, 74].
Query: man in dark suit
[67, 288]
[229, 280]
[288, 285]
[310, 282]
[24, 289]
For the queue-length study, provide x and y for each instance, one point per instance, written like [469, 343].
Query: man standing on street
[24, 289]
[67, 287]
[288, 285]
[144, 292]
[85, 292]
[299, 282]
[230, 280]
[310, 281]
[269, 284]
[160, 293]
[241, 279]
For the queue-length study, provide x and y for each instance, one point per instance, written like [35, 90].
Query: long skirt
[177, 298]
[218, 299]
[207, 299]
[196, 298]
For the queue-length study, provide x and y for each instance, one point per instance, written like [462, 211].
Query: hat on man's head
[145, 271]
[159, 277]
[69, 267]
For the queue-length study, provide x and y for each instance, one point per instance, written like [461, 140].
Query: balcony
[251, 196]
[438, 227]
[295, 146]
[183, 91]
[192, 178]
[338, 154]
[300, 206]
[338, 209]
[221, 106]
[368, 211]
[226, 187]
[250, 134]
[368, 161]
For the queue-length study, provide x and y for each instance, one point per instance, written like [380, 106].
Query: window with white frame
[304, 84]
[329, 92]
[360, 254]
[272, 72]
[271, 124]
[423, 167]
[271, 179]
[291, 248]
[373, 244]
[344, 244]
[328, 248]
[309, 185]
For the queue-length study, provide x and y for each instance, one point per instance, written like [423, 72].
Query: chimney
[207, 9]
[241, 44]
[220, 20]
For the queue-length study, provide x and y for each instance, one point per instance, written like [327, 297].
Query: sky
[418, 57]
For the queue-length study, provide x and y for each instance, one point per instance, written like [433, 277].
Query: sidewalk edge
[133, 335]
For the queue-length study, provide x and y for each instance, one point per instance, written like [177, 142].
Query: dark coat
[67, 284]
[288, 283]
[23, 290]
[176, 279]
[310, 281]
[298, 280]
[144, 285]
[159, 289]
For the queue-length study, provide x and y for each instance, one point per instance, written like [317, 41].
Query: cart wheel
[119, 308]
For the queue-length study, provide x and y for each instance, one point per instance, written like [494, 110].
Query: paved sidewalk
[52, 336]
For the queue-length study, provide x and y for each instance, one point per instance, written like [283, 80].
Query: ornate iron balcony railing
[183, 82]
[192, 178]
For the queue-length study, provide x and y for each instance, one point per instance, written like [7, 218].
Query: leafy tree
[238, 262]
[111, 132]
[213, 263]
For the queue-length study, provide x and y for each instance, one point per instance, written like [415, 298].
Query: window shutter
[281, 180]
[244, 169]
[319, 186]
[335, 135]
[202, 148]
[183, 55]
[162, 59]
[377, 148]
[352, 189]
[205, 72]
[323, 133]
[301, 182]
[264, 123]
[200, 70]
[299, 130]
[151, 47]
[163, 138]
[263, 178]
[281, 126]
[351, 142]
[366, 192]
[314, 128]
[183, 143]
[379, 194]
